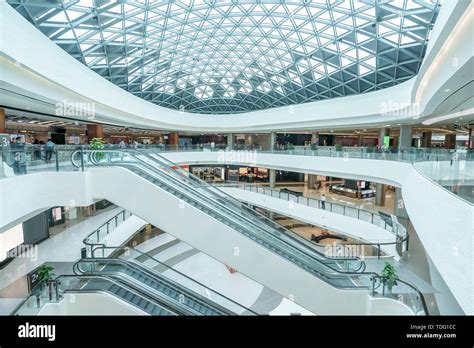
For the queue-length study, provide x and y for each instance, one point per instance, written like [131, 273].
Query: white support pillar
[230, 141]
[405, 138]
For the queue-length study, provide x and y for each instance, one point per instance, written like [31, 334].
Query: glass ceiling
[220, 57]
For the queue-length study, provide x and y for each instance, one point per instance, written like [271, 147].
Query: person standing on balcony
[323, 202]
[49, 149]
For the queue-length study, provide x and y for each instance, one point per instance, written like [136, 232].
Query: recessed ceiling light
[387, 125]
[447, 90]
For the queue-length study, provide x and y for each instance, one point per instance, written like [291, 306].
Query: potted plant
[97, 144]
[389, 276]
[338, 147]
[45, 273]
[370, 149]
[290, 146]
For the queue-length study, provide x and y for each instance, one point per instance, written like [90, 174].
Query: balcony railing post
[82, 157]
[57, 160]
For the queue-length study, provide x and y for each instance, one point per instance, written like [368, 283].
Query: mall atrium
[242, 158]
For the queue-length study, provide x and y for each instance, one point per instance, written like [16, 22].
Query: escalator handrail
[294, 249]
[322, 274]
[234, 202]
[172, 269]
[329, 259]
[111, 280]
[165, 301]
[159, 278]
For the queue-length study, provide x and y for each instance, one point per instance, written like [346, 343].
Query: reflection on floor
[217, 276]
[367, 203]
[62, 249]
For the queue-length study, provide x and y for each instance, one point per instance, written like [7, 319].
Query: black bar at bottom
[290, 331]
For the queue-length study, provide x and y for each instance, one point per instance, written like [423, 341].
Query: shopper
[49, 149]
[323, 202]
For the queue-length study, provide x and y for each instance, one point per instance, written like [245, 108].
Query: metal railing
[96, 237]
[348, 251]
[353, 212]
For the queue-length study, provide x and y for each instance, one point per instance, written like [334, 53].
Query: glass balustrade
[170, 281]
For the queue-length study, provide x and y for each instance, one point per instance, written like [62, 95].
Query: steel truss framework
[223, 57]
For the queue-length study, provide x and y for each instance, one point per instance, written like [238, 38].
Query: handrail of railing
[88, 241]
[413, 287]
[148, 270]
[249, 187]
[154, 173]
[137, 292]
[37, 290]
[171, 269]
[377, 244]
[230, 199]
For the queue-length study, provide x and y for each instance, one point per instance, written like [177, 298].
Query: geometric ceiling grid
[221, 57]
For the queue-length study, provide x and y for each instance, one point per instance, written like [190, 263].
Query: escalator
[99, 284]
[344, 272]
[172, 294]
[217, 224]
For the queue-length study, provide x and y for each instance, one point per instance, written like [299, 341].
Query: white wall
[443, 222]
[25, 196]
[10, 239]
[223, 243]
[348, 226]
[90, 304]
[382, 306]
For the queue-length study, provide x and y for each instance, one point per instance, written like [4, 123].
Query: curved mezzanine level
[456, 225]
[38, 82]
[446, 235]
[97, 183]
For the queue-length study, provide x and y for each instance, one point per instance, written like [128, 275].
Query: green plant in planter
[290, 146]
[45, 273]
[97, 144]
[338, 147]
[370, 149]
[389, 276]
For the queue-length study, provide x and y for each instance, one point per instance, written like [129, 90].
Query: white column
[230, 140]
[405, 138]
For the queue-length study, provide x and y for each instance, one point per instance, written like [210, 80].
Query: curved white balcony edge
[442, 221]
[198, 229]
[360, 230]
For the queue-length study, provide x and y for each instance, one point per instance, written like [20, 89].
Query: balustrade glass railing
[304, 253]
[337, 272]
[353, 212]
[23, 159]
[161, 279]
[98, 236]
